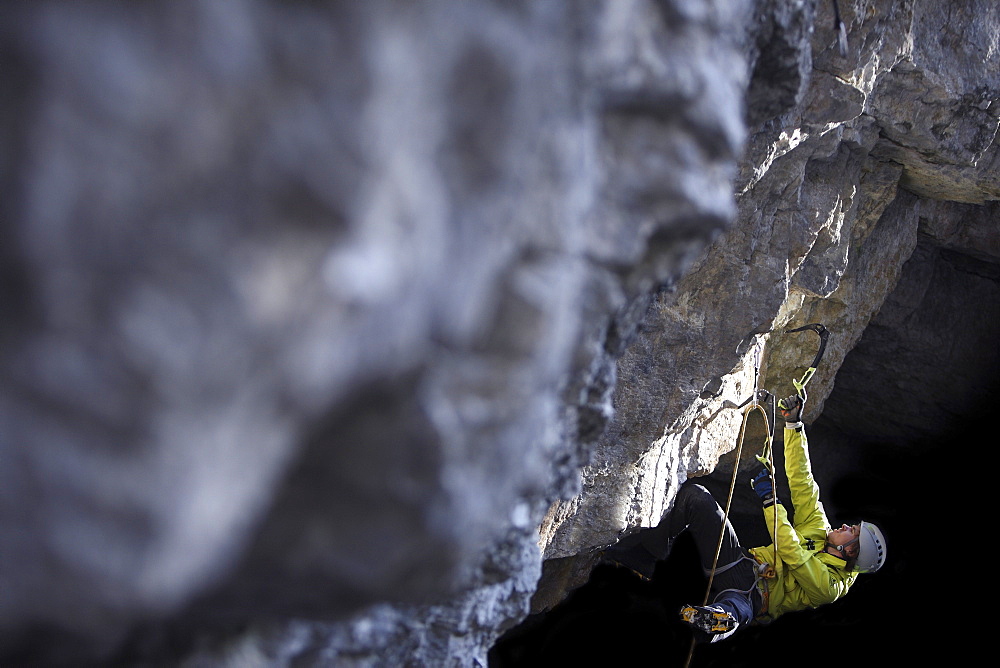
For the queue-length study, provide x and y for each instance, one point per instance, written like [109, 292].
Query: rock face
[830, 208]
[340, 333]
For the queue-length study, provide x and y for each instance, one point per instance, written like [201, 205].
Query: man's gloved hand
[762, 485]
[791, 408]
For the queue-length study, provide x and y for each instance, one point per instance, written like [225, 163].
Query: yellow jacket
[805, 575]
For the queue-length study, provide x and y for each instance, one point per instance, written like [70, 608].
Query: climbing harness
[765, 572]
[753, 403]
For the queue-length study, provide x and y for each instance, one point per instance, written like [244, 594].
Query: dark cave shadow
[616, 618]
[619, 619]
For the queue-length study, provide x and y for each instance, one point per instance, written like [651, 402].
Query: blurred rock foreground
[326, 325]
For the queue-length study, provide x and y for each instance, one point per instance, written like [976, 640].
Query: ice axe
[824, 334]
[800, 384]
[762, 395]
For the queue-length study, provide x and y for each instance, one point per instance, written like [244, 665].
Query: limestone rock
[312, 308]
[831, 196]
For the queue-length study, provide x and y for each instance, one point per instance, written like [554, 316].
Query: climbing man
[808, 564]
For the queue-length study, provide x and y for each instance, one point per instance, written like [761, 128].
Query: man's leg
[696, 511]
[640, 551]
[631, 553]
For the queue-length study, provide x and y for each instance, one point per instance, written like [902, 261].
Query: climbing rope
[732, 486]
[754, 405]
[767, 455]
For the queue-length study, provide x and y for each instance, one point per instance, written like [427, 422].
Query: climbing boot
[709, 618]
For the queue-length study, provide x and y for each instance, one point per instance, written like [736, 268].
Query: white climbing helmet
[871, 551]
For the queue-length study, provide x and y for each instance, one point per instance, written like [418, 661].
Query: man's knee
[694, 500]
[696, 509]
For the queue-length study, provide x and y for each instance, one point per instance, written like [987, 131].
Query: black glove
[791, 408]
[761, 483]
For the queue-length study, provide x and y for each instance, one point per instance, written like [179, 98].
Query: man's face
[845, 534]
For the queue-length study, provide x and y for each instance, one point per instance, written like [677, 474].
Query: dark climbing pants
[734, 584]
[696, 511]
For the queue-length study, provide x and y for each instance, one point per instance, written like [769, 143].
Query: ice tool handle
[824, 334]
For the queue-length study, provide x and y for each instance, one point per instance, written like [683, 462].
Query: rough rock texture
[313, 307]
[325, 324]
[830, 205]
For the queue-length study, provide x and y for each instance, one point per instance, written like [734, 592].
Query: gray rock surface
[325, 325]
[829, 211]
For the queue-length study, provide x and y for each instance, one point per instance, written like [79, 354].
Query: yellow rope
[732, 487]
[754, 405]
[729, 500]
